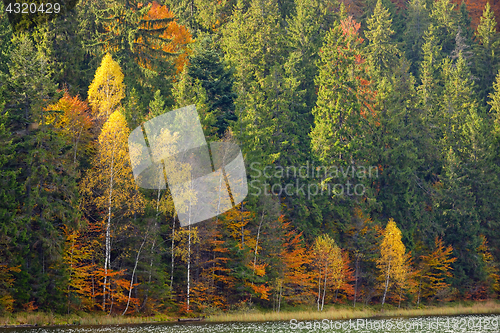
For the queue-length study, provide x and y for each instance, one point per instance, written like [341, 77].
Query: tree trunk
[107, 259]
[173, 258]
[356, 281]
[133, 273]
[279, 299]
[257, 242]
[386, 283]
[319, 287]
[324, 287]
[188, 264]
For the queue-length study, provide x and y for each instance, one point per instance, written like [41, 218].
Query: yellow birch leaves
[107, 89]
[111, 170]
[392, 262]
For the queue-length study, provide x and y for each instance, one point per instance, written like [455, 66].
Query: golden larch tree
[107, 89]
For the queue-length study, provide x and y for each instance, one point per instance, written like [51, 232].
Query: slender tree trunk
[133, 273]
[107, 260]
[386, 283]
[356, 281]
[188, 264]
[319, 287]
[400, 292]
[257, 241]
[324, 287]
[279, 299]
[173, 258]
[419, 288]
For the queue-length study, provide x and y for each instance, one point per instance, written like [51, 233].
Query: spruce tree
[487, 50]
[417, 23]
[29, 86]
[207, 65]
[381, 52]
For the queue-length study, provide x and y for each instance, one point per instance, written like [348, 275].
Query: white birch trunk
[386, 283]
[188, 264]
[107, 260]
[133, 274]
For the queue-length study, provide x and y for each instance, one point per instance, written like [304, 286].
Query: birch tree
[109, 186]
[392, 261]
[329, 264]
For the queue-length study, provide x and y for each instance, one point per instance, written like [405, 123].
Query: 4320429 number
[32, 8]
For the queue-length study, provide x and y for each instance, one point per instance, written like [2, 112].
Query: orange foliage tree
[297, 278]
[433, 269]
[178, 36]
[71, 115]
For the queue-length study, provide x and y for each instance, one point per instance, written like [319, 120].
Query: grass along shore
[254, 315]
[49, 319]
[336, 313]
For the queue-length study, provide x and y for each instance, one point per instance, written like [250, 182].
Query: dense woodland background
[410, 88]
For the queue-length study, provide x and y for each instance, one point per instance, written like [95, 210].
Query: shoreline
[41, 319]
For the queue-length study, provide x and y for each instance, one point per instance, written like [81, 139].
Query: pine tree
[445, 20]
[6, 41]
[457, 213]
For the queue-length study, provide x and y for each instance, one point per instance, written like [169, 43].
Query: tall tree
[107, 89]
[343, 96]
[417, 23]
[392, 261]
[486, 52]
[381, 52]
[109, 188]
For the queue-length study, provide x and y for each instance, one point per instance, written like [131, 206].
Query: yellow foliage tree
[77, 257]
[329, 265]
[493, 274]
[392, 261]
[107, 89]
[109, 185]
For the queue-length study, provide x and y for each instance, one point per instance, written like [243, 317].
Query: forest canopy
[370, 132]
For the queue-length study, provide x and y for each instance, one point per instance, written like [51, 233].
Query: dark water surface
[472, 323]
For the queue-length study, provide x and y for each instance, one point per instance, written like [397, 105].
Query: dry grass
[332, 313]
[49, 319]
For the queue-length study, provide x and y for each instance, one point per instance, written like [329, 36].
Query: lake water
[479, 324]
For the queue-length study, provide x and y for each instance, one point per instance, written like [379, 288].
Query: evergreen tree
[486, 52]
[6, 40]
[137, 37]
[207, 65]
[381, 52]
[417, 24]
[457, 213]
[337, 132]
[445, 21]
[398, 140]
[30, 87]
